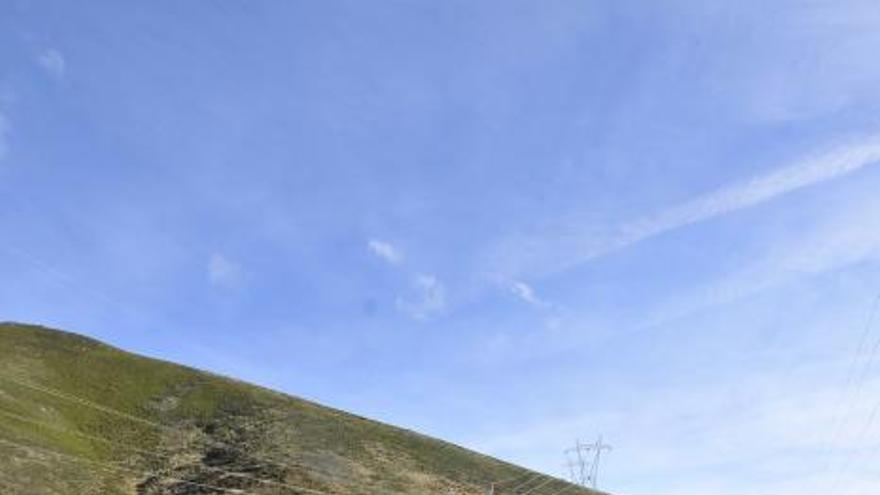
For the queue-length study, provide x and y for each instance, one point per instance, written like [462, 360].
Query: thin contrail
[527, 252]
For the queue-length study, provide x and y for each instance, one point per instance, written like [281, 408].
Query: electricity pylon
[583, 462]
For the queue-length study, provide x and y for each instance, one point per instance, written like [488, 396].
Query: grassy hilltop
[80, 417]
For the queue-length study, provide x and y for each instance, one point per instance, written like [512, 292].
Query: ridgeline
[81, 417]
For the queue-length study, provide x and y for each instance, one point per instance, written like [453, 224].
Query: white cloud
[846, 236]
[428, 298]
[53, 62]
[222, 271]
[385, 251]
[813, 170]
[556, 251]
[525, 292]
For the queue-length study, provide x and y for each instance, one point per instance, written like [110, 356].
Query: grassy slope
[187, 431]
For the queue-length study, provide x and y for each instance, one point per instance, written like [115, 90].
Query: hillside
[80, 417]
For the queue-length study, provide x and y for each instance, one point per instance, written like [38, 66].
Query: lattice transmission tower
[583, 462]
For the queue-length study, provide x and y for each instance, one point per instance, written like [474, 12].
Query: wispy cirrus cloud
[525, 292]
[385, 251]
[556, 251]
[428, 297]
[52, 62]
[847, 235]
[222, 271]
[810, 171]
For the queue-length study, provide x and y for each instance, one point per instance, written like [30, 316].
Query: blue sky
[504, 223]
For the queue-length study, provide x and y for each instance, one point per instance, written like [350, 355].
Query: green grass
[183, 424]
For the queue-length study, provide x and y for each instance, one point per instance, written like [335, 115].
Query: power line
[842, 421]
[532, 478]
[494, 484]
[539, 485]
[866, 429]
[85, 402]
[567, 489]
